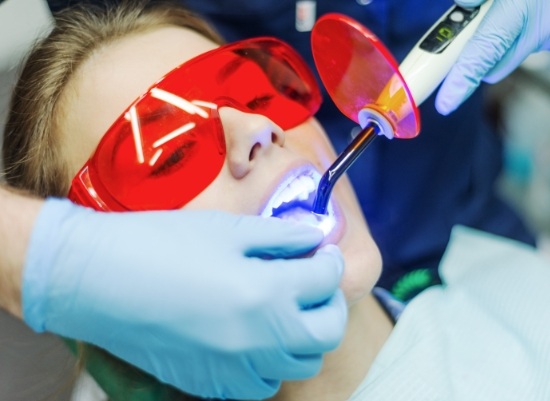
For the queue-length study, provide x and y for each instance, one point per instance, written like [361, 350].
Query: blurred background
[39, 367]
[519, 106]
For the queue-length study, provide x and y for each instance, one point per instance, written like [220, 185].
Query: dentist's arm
[17, 216]
[510, 31]
[205, 301]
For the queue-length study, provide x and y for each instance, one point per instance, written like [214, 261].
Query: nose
[248, 137]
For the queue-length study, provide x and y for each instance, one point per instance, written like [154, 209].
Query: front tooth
[291, 191]
[301, 188]
[309, 184]
[276, 202]
[280, 199]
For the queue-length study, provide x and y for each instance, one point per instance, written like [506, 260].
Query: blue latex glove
[510, 31]
[181, 295]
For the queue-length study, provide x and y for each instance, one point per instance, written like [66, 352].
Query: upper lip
[285, 192]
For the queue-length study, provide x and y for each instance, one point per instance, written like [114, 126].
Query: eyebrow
[230, 67]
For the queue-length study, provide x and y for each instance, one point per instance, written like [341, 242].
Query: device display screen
[444, 33]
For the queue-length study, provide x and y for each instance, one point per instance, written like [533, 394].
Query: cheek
[363, 268]
[362, 257]
[225, 194]
[310, 141]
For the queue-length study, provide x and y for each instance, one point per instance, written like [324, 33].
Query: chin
[363, 261]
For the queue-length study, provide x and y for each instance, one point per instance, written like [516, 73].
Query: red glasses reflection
[169, 145]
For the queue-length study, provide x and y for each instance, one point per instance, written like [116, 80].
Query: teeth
[299, 188]
[298, 193]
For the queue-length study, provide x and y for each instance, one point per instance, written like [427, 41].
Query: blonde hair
[31, 152]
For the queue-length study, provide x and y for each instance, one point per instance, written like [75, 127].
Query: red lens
[169, 145]
[263, 76]
[139, 175]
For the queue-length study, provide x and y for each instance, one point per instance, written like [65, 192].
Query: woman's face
[262, 160]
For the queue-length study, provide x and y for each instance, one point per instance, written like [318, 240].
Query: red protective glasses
[169, 145]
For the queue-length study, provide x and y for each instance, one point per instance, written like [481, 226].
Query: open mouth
[293, 200]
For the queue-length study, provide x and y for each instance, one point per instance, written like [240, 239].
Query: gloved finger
[508, 63]
[230, 377]
[322, 327]
[271, 237]
[316, 278]
[240, 390]
[284, 366]
[516, 54]
[485, 49]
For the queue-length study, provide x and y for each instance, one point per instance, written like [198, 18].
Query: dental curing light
[367, 85]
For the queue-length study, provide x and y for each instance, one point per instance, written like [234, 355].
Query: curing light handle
[436, 52]
[342, 163]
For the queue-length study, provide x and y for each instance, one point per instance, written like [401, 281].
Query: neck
[343, 369]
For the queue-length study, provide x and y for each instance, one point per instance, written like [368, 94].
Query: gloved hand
[189, 297]
[510, 31]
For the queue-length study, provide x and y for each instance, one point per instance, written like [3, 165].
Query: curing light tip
[341, 164]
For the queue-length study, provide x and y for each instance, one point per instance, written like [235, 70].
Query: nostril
[255, 149]
[277, 137]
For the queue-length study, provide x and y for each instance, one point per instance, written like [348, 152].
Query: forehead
[113, 77]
